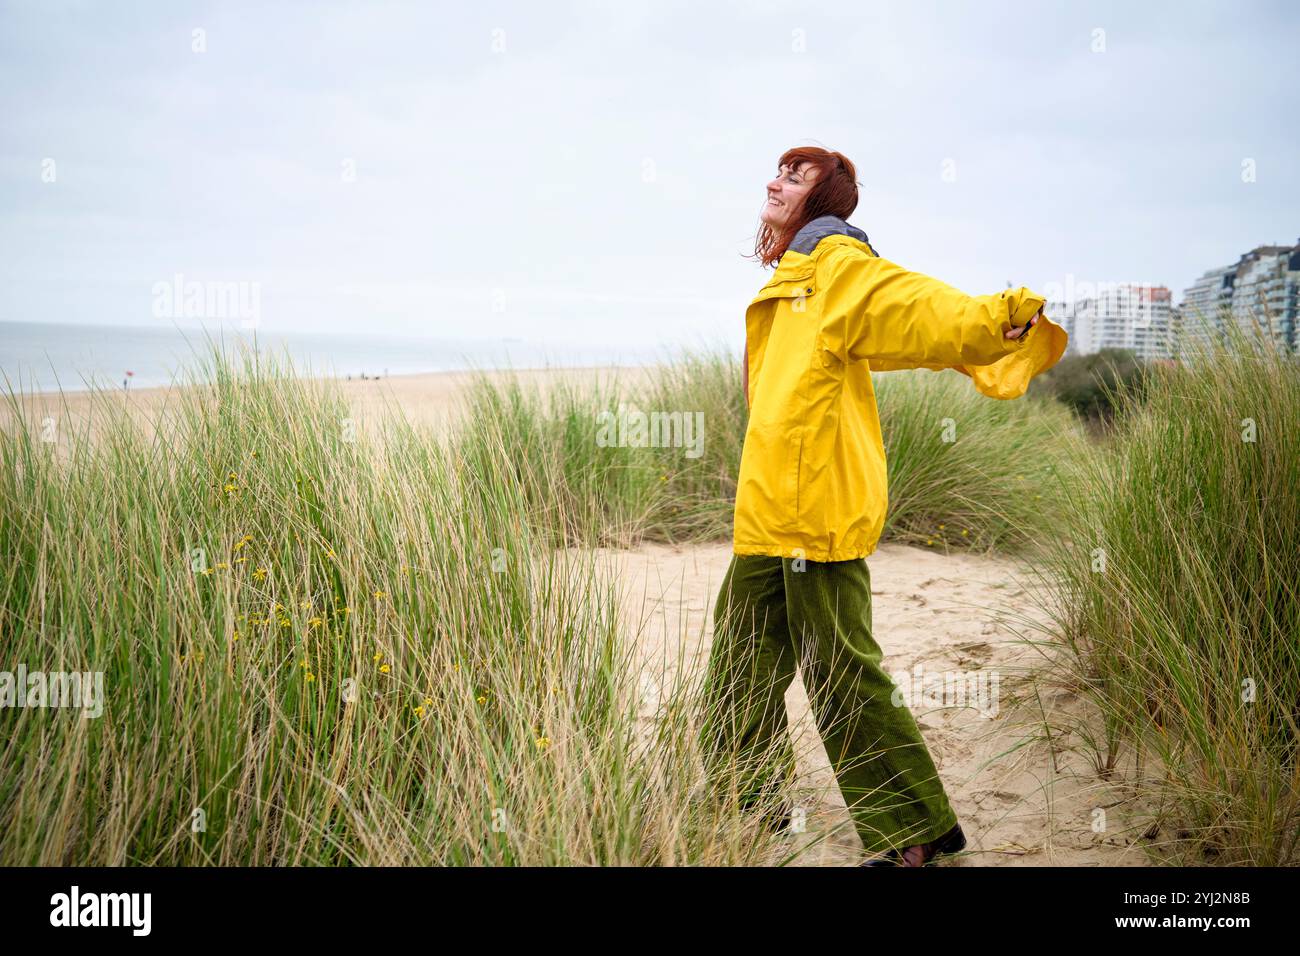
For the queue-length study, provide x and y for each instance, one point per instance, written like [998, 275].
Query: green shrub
[1089, 383]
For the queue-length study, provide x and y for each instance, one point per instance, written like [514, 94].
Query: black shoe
[954, 841]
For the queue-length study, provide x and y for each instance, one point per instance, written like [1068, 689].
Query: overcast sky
[582, 171]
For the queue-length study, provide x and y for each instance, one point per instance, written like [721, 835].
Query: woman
[811, 502]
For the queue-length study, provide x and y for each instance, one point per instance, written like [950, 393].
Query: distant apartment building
[1119, 315]
[1205, 302]
[1260, 290]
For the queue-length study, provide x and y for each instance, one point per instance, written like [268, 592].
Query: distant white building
[1205, 302]
[1260, 290]
[1122, 316]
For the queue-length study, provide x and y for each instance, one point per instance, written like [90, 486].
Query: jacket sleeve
[877, 311]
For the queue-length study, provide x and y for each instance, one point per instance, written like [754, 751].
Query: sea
[47, 356]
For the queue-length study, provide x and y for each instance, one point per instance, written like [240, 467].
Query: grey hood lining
[806, 239]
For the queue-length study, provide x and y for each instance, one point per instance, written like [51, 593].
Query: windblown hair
[834, 194]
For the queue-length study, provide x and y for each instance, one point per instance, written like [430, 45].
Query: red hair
[835, 193]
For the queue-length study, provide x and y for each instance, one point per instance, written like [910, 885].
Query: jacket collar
[806, 239]
[796, 275]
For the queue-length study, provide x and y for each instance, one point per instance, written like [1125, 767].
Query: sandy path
[1020, 801]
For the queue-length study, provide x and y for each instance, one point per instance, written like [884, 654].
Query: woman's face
[787, 192]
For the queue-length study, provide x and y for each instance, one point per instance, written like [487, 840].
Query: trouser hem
[874, 843]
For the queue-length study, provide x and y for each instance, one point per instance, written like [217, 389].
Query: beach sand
[1020, 803]
[428, 399]
[1021, 800]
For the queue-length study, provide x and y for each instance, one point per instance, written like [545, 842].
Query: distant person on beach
[811, 502]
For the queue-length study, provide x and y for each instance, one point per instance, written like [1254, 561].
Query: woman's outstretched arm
[876, 309]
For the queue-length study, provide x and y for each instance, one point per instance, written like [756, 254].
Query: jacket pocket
[798, 286]
[829, 360]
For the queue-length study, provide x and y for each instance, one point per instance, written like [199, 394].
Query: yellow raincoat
[812, 473]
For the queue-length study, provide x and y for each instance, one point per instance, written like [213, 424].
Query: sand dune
[1020, 803]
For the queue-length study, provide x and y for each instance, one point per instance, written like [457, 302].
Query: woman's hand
[1019, 330]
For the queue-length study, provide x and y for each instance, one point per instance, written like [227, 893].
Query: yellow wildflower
[384, 668]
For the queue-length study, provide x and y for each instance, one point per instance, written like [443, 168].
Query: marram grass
[965, 471]
[330, 642]
[1175, 599]
[322, 643]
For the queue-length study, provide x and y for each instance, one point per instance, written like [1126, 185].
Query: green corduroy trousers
[773, 614]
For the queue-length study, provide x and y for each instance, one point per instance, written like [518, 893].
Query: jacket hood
[806, 239]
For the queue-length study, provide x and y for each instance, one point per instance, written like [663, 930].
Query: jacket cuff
[1024, 306]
